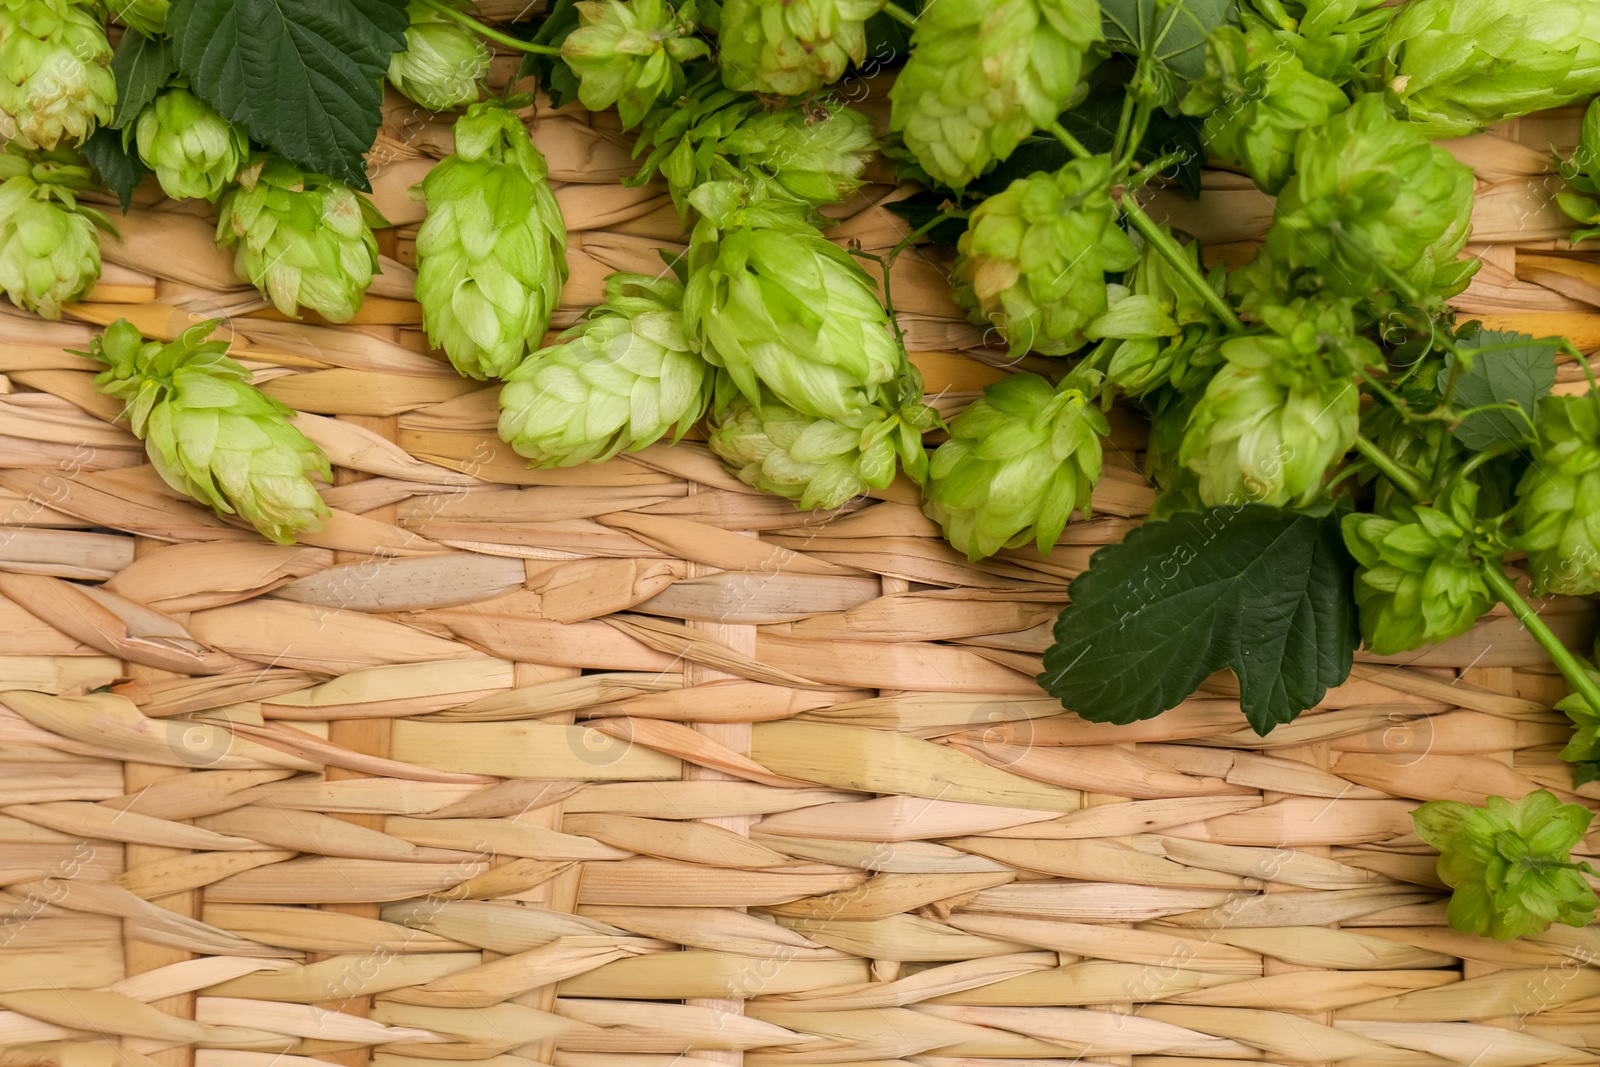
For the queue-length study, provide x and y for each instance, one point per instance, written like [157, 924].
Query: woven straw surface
[629, 766]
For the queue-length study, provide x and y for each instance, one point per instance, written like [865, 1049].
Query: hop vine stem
[488, 31]
[1569, 665]
[900, 15]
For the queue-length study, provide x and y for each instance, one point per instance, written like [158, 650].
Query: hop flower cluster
[56, 85]
[1558, 498]
[443, 62]
[194, 151]
[631, 53]
[49, 250]
[791, 47]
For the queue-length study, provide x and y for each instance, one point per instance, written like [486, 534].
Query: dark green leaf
[142, 66]
[1585, 772]
[303, 76]
[119, 168]
[1263, 592]
[921, 208]
[555, 77]
[888, 43]
[1520, 373]
[1174, 31]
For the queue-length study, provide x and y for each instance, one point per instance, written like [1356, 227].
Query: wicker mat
[629, 766]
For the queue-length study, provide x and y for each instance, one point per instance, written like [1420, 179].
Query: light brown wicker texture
[630, 766]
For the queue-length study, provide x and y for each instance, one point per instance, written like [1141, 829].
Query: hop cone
[818, 462]
[1458, 67]
[983, 76]
[49, 252]
[442, 62]
[623, 379]
[1018, 462]
[193, 150]
[1510, 864]
[1582, 175]
[1332, 38]
[1372, 197]
[791, 47]
[210, 433]
[1163, 326]
[1255, 98]
[631, 53]
[1033, 259]
[55, 73]
[491, 255]
[790, 310]
[1282, 410]
[149, 17]
[1558, 499]
[1418, 581]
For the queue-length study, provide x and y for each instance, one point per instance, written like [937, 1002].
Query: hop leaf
[1558, 499]
[57, 84]
[623, 379]
[1282, 410]
[791, 47]
[442, 63]
[791, 311]
[491, 255]
[49, 251]
[1033, 259]
[304, 239]
[1256, 98]
[1455, 68]
[983, 76]
[1419, 580]
[631, 53]
[193, 150]
[1018, 462]
[211, 434]
[1510, 864]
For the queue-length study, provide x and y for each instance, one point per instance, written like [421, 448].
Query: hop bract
[1456, 68]
[818, 462]
[1033, 259]
[1510, 864]
[1558, 499]
[983, 76]
[49, 251]
[194, 151]
[1281, 411]
[623, 379]
[791, 47]
[1018, 462]
[210, 433]
[1372, 198]
[1419, 580]
[1255, 99]
[442, 63]
[631, 53]
[788, 309]
[1162, 324]
[55, 73]
[491, 255]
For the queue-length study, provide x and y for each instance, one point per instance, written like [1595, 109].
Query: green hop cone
[1582, 175]
[788, 309]
[49, 251]
[304, 240]
[791, 47]
[1170, 341]
[622, 379]
[148, 17]
[211, 434]
[1419, 581]
[1510, 864]
[1019, 461]
[492, 253]
[1558, 499]
[1372, 198]
[57, 83]
[1255, 99]
[816, 155]
[1281, 411]
[1455, 68]
[818, 462]
[193, 150]
[1333, 39]
[1033, 258]
[983, 75]
[443, 61]
[631, 53]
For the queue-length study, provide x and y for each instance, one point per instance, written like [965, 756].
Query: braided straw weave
[629, 766]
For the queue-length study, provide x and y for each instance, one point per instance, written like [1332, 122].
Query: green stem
[900, 15]
[1170, 251]
[1399, 476]
[1074, 145]
[1153, 168]
[1570, 666]
[486, 31]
